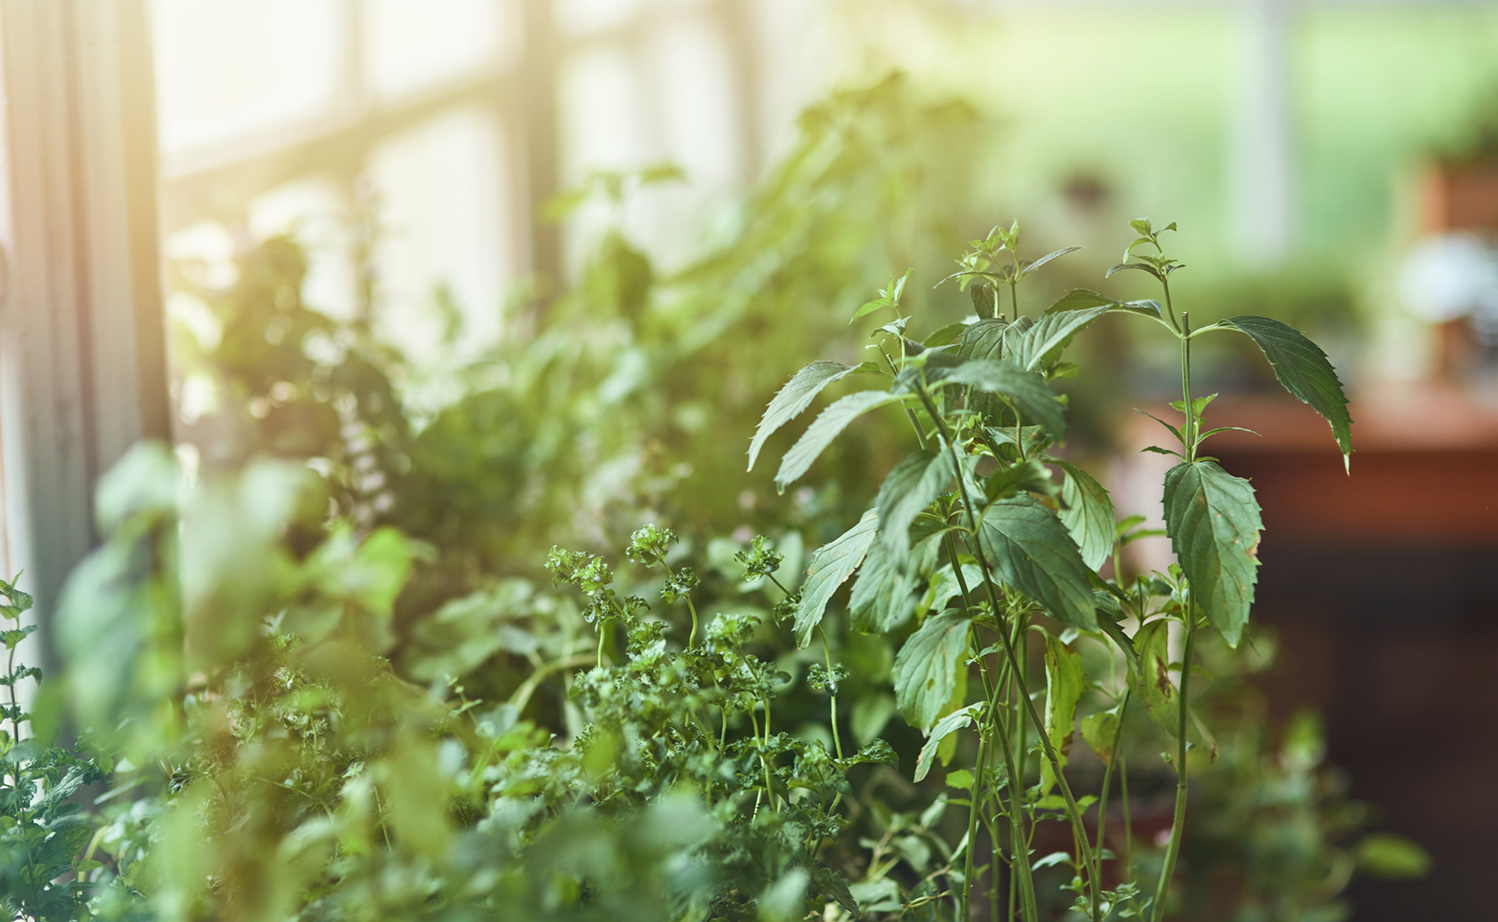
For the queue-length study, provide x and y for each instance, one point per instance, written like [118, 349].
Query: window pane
[410, 46]
[231, 67]
[441, 225]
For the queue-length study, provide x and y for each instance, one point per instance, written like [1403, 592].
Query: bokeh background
[514, 269]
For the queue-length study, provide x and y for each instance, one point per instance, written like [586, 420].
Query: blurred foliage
[332, 680]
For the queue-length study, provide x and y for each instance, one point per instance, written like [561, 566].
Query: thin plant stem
[1073, 812]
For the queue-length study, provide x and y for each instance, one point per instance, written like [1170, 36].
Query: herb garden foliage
[975, 517]
[267, 761]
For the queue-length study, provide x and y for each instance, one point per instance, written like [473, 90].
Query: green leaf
[870, 306]
[792, 399]
[983, 340]
[13, 637]
[1027, 476]
[820, 434]
[1305, 372]
[1100, 730]
[1031, 267]
[884, 595]
[912, 486]
[1087, 512]
[1143, 267]
[829, 567]
[1043, 343]
[1151, 681]
[926, 669]
[1065, 680]
[1079, 299]
[1032, 551]
[1386, 855]
[947, 725]
[1213, 522]
[945, 336]
[1027, 389]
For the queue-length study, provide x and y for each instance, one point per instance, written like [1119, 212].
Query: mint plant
[986, 534]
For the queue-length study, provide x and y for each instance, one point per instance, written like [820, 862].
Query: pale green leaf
[1087, 512]
[884, 596]
[1065, 680]
[927, 667]
[947, 725]
[820, 434]
[1213, 522]
[829, 567]
[792, 399]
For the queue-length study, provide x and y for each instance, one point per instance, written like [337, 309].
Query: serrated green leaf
[944, 587]
[946, 726]
[1087, 512]
[912, 486]
[829, 567]
[1027, 476]
[1143, 267]
[1213, 521]
[983, 340]
[884, 596]
[792, 399]
[1027, 389]
[1043, 342]
[13, 637]
[1080, 299]
[1065, 680]
[820, 434]
[868, 307]
[1304, 371]
[1030, 550]
[926, 669]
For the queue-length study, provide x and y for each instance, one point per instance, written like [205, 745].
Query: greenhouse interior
[591, 460]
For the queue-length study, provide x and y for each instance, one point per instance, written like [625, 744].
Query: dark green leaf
[926, 669]
[820, 434]
[1304, 370]
[1030, 549]
[910, 488]
[945, 336]
[1213, 522]
[983, 340]
[829, 568]
[1027, 389]
[1087, 512]
[1042, 343]
[795, 397]
[1026, 476]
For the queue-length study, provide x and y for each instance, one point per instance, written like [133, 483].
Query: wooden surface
[1424, 465]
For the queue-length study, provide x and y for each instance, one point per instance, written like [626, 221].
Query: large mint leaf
[1027, 389]
[1042, 343]
[1305, 372]
[829, 568]
[926, 669]
[820, 434]
[1087, 512]
[792, 399]
[1032, 551]
[983, 340]
[884, 595]
[1213, 522]
[910, 488]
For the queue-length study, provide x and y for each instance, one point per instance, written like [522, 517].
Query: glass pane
[410, 46]
[700, 114]
[441, 206]
[582, 16]
[235, 66]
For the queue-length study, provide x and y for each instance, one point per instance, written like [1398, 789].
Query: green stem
[1178, 823]
[1073, 812]
[837, 741]
[1102, 807]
